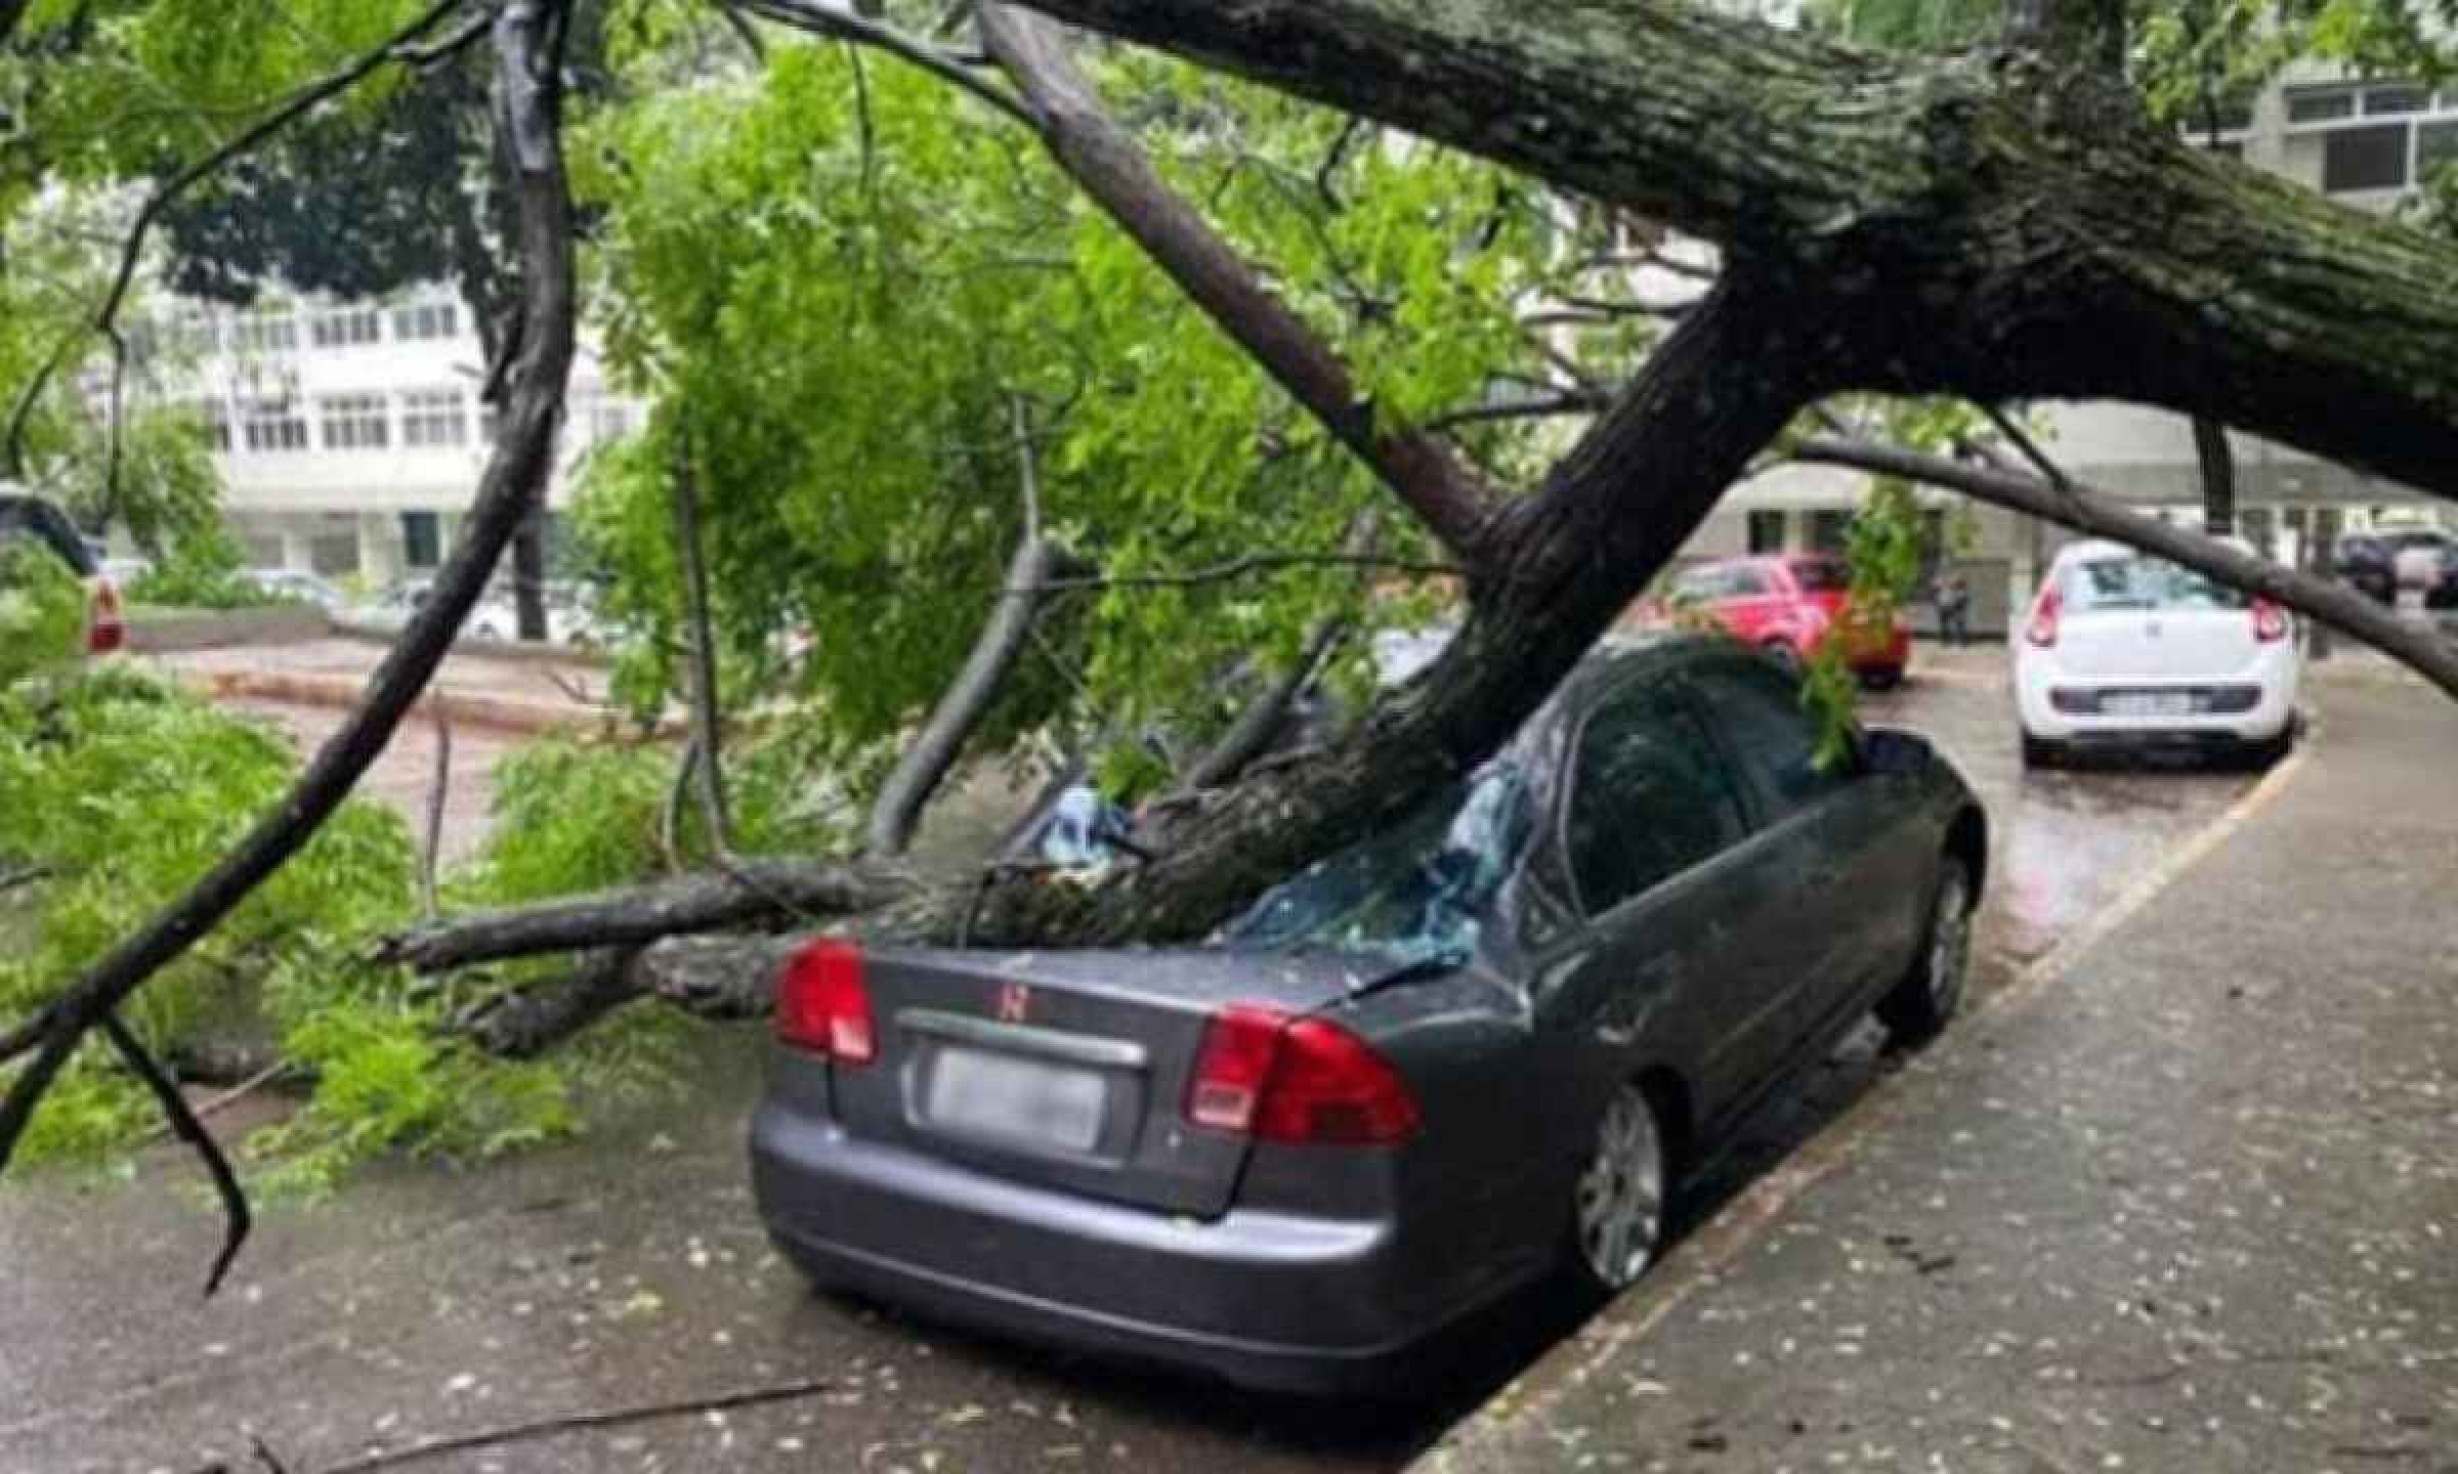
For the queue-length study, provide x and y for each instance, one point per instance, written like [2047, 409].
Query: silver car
[1465, 1055]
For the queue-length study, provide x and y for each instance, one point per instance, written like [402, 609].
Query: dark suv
[24, 516]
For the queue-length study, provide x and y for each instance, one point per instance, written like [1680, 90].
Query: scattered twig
[22, 877]
[575, 1422]
[188, 1128]
[208, 1109]
[1567, 402]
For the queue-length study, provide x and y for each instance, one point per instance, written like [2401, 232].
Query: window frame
[417, 418]
[1668, 685]
[272, 415]
[1769, 805]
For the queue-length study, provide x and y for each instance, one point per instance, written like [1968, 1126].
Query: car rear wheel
[1618, 1204]
[1933, 990]
[1782, 653]
[1882, 678]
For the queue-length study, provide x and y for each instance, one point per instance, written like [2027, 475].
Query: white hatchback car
[2126, 649]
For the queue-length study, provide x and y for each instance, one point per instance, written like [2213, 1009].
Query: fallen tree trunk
[749, 893]
[718, 978]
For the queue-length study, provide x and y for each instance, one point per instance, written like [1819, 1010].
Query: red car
[1787, 605]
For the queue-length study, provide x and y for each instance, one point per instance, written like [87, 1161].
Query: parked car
[26, 516]
[2125, 649]
[1788, 606]
[2417, 553]
[1469, 1054]
[2368, 565]
[298, 586]
[2441, 582]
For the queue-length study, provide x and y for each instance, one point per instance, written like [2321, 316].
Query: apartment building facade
[2368, 143]
[350, 436]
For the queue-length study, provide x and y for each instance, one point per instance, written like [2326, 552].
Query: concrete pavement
[2189, 1204]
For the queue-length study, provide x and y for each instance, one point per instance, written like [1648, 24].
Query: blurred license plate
[979, 1093]
[2148, 703]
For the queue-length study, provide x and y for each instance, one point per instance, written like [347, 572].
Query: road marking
[1711, 1248]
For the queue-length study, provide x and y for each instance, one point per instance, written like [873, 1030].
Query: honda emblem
[1014, 999]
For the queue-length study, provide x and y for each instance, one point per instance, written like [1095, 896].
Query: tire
[1883, 678]
[1782, 653]
[1617, 1202]
[2261, 756]
[2039, 752]
[1932, 990]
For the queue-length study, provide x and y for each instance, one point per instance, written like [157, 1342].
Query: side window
[1758, 709]
[1749, 583]
[1650, 797]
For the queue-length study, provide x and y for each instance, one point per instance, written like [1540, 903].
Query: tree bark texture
[1090, 146]
[897, 810]
[2218, 463]
[2007, 226]
[528, 105]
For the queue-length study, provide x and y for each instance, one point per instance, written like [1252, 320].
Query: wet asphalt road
[629, 1269]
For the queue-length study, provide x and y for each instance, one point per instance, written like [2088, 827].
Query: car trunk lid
[1070, 1069]
[2169, 643]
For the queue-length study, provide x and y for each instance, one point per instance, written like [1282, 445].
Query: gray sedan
[1462, 1057]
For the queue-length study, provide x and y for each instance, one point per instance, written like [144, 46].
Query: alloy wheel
[1950, 941]
[1621, 1194]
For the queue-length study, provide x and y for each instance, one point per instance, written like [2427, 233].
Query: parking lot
[628, 1270]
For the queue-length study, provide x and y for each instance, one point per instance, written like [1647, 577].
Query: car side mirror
[1894, 754]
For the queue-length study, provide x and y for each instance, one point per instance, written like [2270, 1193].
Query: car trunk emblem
[1014, 1000]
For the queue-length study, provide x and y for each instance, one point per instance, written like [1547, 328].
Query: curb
[342, 693]
[1701, 1259]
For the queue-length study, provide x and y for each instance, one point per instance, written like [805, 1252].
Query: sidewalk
[529, 694]
[2185, 1201]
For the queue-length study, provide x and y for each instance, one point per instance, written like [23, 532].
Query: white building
[349, 436]
[2365, 143]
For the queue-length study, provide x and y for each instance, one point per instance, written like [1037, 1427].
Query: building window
[433, 417]
[2435, 145]
[2399, 97]
[273, 425]
[215, 416]
[2320, 104]
[1830, 532]
[2365, 158]
[1766, 532]
[345, 328]
[420, 321]
[198, 333]
[275, 332]
[354, 422]
[422, 539]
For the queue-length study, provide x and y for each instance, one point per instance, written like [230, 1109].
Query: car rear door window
[1650, 797]
[1758, 710]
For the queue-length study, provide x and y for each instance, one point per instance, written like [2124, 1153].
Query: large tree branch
[1440, 489]
[2009, 227]
[747, 893]
[528, 109]
[2098, 513]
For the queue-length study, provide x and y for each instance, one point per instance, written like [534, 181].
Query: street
[629, 1269]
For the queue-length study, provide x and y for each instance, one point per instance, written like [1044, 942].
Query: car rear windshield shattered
[1412, 894]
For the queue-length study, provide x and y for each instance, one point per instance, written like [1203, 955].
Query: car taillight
[2043, 628]
[824, 1003]
[1263, 1073]
[2269, 622]
[105, 631]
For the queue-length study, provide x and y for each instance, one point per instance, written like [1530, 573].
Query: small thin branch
[1240, 567]
[2021, 440]
[439, 789]
[184, 1124]
[1332, 161]
[206, 1110]
[705, 728]
[845, 25]
[1028, 470]
[433, 1448]
[670, 823]
[1567, 402]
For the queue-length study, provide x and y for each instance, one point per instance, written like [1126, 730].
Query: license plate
[976, 1092]
[2148, 704]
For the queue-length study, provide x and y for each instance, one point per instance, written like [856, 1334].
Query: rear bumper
[2271, 712]
[1273, 1301]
